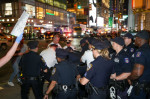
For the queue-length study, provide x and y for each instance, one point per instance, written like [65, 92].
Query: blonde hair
[104, 53]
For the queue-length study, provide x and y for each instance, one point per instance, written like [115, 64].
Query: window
[40, 13]
[31, 10]
[61, 16]
[8, 9]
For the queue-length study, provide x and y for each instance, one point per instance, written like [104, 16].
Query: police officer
[63, 78]
[99, 72]
[140, 75]
[84, 45]
[129, 47]
[122, 66]
[31, 66]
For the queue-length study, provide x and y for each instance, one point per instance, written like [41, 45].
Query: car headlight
[82, 33]
[64, 34]
[69, 34]
[74, 34]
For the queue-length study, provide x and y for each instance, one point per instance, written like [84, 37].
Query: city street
[8, 92]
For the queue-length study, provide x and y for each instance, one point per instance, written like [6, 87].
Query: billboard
[100, 21]
[92, 13]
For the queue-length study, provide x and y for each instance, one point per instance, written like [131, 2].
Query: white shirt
[87, 57]
[59, 46]
[49, 55]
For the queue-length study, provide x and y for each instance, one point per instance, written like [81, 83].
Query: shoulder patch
[53, 71]
[90, 66]
[138, 54]
[126, 60]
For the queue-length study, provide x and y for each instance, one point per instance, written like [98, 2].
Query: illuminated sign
[136, 4]
[100, 21]
[92, 13]
[49, 13]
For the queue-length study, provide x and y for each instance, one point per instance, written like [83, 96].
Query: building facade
[45, 15]
[141, 10]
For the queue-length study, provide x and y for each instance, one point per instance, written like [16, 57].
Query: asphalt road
[8, 92]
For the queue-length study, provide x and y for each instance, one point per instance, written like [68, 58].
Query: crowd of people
[115, 68]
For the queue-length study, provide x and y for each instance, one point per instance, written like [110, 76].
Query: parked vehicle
[3, 43]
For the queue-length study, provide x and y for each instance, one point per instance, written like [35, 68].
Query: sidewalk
[8, 92]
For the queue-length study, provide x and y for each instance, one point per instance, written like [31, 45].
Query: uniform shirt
[31, 64]
[87, 57]
[100, 71]
[64, 73]
[74, 57]
[130, 49]
[142, 56]
[122, 63]
[49, 55]
[59, 46]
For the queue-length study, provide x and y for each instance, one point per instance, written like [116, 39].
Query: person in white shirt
[87, 57]
[55, 41]
[49, 55]
[68, 44]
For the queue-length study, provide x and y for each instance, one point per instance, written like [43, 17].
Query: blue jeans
[16, 70]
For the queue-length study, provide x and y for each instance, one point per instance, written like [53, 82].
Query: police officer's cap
[82, 41]
[100, 45]
[118, 40]
[128, 35]
[68, 49]
[61, 53]
[143, 34]
[94, 41]
[33, 44]
[90, 39]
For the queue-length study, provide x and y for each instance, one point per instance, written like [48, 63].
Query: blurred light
[3, 20]
[82, 33]
[8, 20]
[64, 34]
[69, 34]
[31, 20]
[28, 20]
[12, 19]
[74, 34]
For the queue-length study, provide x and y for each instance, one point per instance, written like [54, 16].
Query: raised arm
[11, 52]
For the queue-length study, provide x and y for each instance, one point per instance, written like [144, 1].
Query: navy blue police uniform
[64, 73]
[98, 74]
[130, 49]
[122, 65]
[31, 65]
[141, 56]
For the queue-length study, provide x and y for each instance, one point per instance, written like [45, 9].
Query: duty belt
[66, 87]
[31, 78]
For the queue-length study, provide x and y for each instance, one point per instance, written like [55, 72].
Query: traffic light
[79, 5]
